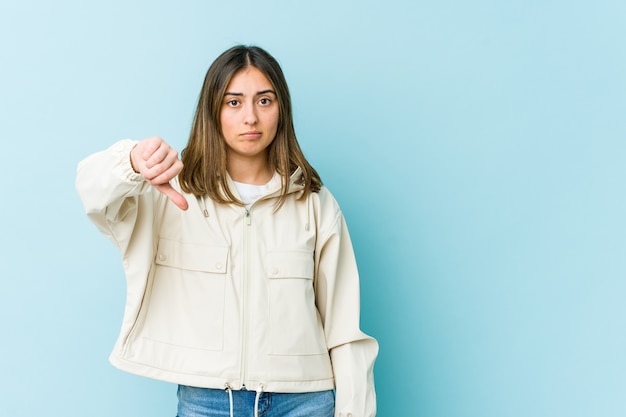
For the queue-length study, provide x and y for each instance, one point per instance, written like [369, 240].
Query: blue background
[477, 149]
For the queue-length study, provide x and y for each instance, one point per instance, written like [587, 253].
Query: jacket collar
[296, 180]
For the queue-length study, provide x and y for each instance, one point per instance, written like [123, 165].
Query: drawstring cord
[203, 206]
[259, 390]
[230, 397]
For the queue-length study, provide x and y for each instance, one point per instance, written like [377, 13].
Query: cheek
[225, 124]
[272, 119]
[222, 120]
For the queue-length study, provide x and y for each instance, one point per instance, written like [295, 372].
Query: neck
[249, 171]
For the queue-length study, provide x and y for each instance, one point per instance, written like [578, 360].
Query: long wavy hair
[204, 158]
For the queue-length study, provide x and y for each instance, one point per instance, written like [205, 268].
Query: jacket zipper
[245, 310]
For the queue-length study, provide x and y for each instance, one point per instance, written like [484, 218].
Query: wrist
[130, 157]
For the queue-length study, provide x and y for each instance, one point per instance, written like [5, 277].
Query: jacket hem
[206, 381]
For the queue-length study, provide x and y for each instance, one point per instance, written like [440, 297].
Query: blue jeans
[204, 402]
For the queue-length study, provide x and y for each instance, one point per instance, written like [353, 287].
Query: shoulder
[328, 213]
[327, 200]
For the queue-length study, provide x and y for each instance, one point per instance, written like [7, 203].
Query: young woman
[242, 282]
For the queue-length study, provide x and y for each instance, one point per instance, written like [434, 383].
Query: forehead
[249, 80]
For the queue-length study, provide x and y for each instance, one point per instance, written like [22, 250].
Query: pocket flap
[290, 264]
[192, 256]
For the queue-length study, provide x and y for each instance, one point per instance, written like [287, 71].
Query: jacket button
[219, 265]
[274, 271]
[161, 257]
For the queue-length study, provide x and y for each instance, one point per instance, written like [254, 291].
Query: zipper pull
[248, 219]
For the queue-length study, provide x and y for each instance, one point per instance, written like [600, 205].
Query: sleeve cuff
[123, 149]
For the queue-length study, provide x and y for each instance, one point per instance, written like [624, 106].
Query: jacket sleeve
[110, 190]
[352, 352]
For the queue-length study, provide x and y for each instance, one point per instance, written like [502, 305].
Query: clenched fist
[158, 163]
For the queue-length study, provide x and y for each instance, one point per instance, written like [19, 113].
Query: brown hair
[204, 158]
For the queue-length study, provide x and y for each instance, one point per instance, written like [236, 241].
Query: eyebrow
[259, 93]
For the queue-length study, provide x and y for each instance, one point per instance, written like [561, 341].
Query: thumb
[176, 197]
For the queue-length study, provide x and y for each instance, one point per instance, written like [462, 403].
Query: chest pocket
[192, 256]
[186, 302]
[295, 325]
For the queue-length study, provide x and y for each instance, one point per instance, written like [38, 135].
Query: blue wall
[477, 149]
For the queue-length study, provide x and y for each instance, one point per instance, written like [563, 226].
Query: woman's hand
[158, 163]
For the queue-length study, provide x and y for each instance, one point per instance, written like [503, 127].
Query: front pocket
[192, 256]
[186, 300]
[295, 325]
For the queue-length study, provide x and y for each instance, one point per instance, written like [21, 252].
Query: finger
[163, 174]
[165, 170]
[173, 195]
[150, 146]
[160, 155]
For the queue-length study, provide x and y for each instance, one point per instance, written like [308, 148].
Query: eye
[265, 101]
[232, 103]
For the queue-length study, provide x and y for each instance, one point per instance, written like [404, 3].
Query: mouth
[253, 134]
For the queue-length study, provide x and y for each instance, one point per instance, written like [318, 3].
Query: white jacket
[220, 295]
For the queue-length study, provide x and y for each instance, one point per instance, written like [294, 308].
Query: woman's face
[249, 114]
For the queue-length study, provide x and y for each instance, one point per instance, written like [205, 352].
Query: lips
[253, 134]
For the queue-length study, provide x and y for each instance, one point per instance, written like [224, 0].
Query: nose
[250, 117]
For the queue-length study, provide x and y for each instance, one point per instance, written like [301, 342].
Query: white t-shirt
[249, 193]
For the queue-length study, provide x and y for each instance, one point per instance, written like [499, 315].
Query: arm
[110, 185]
[352, 352]
[109, 188]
